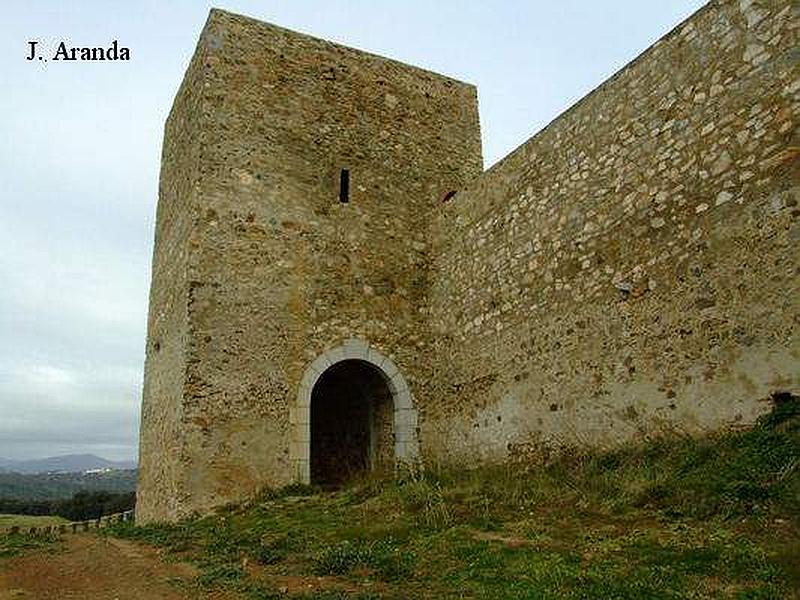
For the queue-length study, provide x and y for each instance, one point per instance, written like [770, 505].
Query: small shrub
[225, 574]
[270, 550]
[339, 559]
[426, 499]
[388, 561]
[382, 556]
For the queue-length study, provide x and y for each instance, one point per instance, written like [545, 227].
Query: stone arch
[406, 446]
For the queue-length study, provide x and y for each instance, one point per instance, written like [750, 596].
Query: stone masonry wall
[633, 269]
[278, 269]
[630, 271]
[161, 443]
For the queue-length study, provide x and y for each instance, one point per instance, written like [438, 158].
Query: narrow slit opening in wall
[447, 196]
[344, 186]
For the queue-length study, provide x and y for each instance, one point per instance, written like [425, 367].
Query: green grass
[383, 557]
[717, 517]
[12, 545]
[26, 521]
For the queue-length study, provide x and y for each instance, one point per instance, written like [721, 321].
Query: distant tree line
[82, 506]
[57, 486]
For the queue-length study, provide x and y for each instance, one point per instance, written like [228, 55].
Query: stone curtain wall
[633, 268]
[279, 271]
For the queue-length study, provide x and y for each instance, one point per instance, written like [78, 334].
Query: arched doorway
[357, 380]
[351, 423]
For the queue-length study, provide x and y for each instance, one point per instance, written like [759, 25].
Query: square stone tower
[298, 179]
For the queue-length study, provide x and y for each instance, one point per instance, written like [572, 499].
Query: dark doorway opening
[351, 423]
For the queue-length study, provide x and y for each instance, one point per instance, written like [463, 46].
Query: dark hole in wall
[344, 185]
[351, 423]
[447, 196]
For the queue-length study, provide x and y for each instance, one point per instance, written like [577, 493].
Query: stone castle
[338, 287]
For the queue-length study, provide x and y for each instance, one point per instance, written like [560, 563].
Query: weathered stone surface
[258, 267]
[631, 270]
[683, 315]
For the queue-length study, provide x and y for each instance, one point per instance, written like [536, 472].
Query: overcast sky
[79, 157]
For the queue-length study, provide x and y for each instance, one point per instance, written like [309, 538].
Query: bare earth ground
[91, 567]
[94, 567]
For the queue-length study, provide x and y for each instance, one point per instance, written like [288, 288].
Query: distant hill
[70, 463]
[52, 486]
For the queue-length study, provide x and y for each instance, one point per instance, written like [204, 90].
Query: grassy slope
[20, 543]
[716, 517]
[17, 544]
[7, 521]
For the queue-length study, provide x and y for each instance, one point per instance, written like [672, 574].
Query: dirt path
[91, 567]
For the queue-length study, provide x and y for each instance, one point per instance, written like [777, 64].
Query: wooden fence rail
[73, 527]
